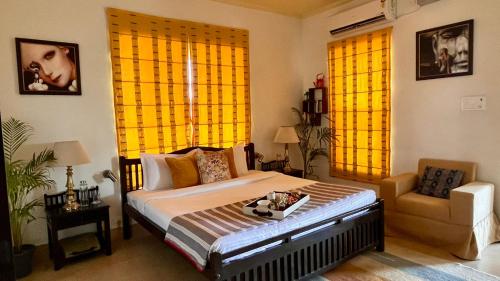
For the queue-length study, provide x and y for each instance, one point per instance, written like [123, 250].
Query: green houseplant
[314, 141]
[23, 177]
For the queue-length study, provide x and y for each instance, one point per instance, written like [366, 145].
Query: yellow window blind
[359, 72]
[152, 81]
[221, 100]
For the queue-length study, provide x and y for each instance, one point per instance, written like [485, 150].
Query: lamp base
[71, 206]
[287, 168]
[71, 203]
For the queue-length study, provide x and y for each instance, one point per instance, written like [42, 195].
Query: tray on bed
[251, 208]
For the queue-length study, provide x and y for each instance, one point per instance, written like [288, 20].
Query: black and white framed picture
[48, 67]
[445, 51]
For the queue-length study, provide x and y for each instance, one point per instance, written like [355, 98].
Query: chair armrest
[471, 203]
[393, 187]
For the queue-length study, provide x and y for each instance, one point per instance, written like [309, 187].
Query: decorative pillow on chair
[438, 182]
[213, 166]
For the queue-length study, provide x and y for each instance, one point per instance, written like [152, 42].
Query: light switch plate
[474, 103]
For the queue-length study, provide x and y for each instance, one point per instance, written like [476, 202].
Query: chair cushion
[438, 182]
[424, 206]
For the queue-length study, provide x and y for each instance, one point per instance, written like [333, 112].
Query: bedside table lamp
[69, 154]
[286, 135]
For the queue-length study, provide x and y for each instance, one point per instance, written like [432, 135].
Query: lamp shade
[70, 153]
[286, 134]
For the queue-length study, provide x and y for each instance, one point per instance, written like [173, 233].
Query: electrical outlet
[473, 103]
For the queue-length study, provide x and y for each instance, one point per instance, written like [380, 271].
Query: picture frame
[445, 51]
[48, 67]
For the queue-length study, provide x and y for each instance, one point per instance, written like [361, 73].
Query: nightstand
[58, 219]
[277, 165]
[294, 173]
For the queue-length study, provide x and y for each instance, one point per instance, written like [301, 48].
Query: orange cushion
[184, 171]
[230, 159]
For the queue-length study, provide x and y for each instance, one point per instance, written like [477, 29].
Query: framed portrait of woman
[445, 51]
[48, 67]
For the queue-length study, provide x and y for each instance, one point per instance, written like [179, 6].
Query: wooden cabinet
[278, 166]
[59, 219]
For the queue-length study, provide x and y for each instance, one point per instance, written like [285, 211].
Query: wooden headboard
[131, 169]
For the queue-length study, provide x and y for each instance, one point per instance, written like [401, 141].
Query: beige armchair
[464, 224]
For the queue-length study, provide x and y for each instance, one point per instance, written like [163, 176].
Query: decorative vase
[23, 261]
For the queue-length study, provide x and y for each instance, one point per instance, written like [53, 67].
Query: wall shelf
[315, 104]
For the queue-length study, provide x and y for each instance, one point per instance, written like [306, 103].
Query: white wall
[274, 70]
[426, 116]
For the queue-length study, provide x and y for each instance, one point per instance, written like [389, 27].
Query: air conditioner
[379, 11]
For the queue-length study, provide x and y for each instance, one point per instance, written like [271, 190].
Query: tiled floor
[145, 258]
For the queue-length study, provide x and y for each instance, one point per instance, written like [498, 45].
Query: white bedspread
[162, 206]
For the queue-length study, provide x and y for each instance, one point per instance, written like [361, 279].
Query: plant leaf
[23, 177]
[15, 134]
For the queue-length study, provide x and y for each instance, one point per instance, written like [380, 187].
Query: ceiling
[294, 8]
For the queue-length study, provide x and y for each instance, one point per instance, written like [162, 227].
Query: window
[177, 83]
[359, 72]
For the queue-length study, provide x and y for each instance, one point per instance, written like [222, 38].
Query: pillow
[240, 160]
[184, 170]
[438, 182]
[156, 172]
[213, 166]
[230, 159]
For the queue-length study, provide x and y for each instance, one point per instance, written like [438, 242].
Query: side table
[294, 173]
[278, 166]
[58, 219]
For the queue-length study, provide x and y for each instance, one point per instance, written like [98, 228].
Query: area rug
[403, 264]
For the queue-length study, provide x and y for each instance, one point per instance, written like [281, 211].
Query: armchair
[464, 224]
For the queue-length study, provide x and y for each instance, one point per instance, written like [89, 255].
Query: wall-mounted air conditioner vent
[379, 11]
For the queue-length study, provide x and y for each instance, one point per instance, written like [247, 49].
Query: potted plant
[23, 177]
[314, 141]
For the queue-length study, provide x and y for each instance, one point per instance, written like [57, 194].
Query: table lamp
[69, 154]
[286, 135]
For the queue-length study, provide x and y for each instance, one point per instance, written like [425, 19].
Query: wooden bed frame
[292, 259]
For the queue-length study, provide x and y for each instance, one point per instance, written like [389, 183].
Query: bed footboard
[309, 255]
[295, 259]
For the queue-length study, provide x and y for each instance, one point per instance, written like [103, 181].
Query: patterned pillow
[213, 166]
[438, 182]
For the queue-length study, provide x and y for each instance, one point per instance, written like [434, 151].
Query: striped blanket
[194, 233]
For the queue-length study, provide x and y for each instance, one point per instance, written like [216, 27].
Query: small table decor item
[286, 135]
[48, 67]
[276, 205]
[445, 51]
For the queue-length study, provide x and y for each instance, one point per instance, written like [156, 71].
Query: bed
[317, 242]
